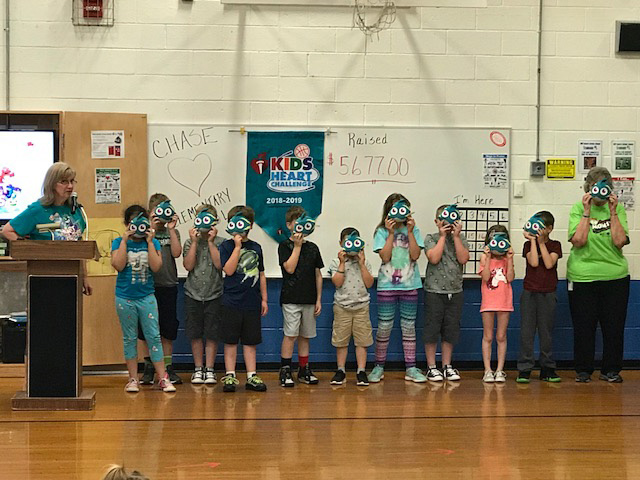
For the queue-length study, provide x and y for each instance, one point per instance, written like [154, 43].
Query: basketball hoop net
[383, 20]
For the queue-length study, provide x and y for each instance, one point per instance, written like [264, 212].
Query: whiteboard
[193, 164]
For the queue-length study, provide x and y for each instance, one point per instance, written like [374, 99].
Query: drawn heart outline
[193, 160]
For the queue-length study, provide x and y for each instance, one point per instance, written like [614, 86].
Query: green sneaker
[414, 375]
[376, 374]
[256, 384]
[524, 376]
[229, 382]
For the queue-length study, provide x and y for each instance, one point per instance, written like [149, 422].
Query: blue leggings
[144, 310]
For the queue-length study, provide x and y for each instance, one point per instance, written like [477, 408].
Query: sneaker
[165, 384]
[173, 376]
[488, 377]
[305, 375]
[376, 374]
[434, 375]
[414, 374]
[500, 376]
[338, 378]
[611, 377]
[451, 374]
[524, 376]
[197, 378]
[583, 377]
[229, 382]
[132, 386]
[256, 384]
[361, 379]
[549, 375]
[148, 374]
[286, 380]
[210, 377]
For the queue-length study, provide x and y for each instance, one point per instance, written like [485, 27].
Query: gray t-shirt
[446, 275]
[167, 276]
[352, 295]
[204, 282]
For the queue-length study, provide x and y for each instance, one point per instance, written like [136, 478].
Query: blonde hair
[58, 172]
[156, 199]
[207, 207]
[116, 472]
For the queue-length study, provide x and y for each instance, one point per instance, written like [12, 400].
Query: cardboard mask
[304, 225]
[164, 211]
[140, 226]
[205, 220]
[499, 243]
[534, 225]
[449, 215]
[352, 244]
[399, 211]
[601, 190]
[238, 225]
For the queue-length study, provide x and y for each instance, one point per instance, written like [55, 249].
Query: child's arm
[213, 249]
[318, 308]
[189, 260]
[532, 254]
[119, 256]
[367, 278]
[484, 261]
[511, 274]
[155, 257]
[338, 277]
[264, 306]
[229, 268]
[385, 252]
[434, 254]
[462, 252]
[292, 262]
[549, 259]
[414, 248]
[176, 248]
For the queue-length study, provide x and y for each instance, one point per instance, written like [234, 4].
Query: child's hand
[173, 222]
[613, 202]
[457, 228]
[237, 239]
[213, 233]
[586, 203]
[193, 234]
[443, 228]
[510, 253]
[342, 256]
[297, 239]
[529, 236]
[264, 308]
[361, 258]
[151, 233]
[390, 225]
[155, 222]
[411, 223]
[318, 308]
[486, 250]
[127, 234]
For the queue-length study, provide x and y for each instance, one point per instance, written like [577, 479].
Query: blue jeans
[145, 311]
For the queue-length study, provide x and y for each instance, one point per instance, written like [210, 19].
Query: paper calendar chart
[475, 223]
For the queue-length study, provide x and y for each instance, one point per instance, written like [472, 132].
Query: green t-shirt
[599, 259]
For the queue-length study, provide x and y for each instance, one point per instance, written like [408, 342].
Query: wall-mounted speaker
[627, 37]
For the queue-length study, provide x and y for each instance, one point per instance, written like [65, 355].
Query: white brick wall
[201, 62]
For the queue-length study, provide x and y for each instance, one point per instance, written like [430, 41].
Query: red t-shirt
[541, 279]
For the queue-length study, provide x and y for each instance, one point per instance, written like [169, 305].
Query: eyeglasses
[68, 182]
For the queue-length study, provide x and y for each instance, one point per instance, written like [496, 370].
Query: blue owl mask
[499, 243]
[534, 225]
[353, 244]
[140, 226]
[399, 211]
[164, 211]
[238, 225]
[304, 225]
[449, 215]
[205, 220]
[601, 190]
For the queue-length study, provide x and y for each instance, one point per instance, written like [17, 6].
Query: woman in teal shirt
[54, 207]
[598, 279]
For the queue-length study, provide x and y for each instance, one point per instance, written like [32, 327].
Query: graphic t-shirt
[136, 279]
[204, 282]
[299, 287]
[167, 276]
[399, 273]
[541, 279]
[497, 295]
[353, 294]
[71, 225]
[599, 259]
[242, 289]
[445, 276]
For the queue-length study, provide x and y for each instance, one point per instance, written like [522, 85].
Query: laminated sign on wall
[107, 144]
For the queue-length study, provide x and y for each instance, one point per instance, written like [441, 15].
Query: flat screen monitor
[25, 157]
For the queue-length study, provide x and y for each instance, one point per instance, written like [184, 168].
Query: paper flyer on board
[495, 170]
[107, 185]
[107, 144]
[589, 154]
[622, 155]
[624, 188]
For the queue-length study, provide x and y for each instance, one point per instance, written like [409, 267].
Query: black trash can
[14, 341]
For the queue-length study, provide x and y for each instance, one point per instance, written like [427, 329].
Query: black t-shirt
[242, 289]
[300, 286]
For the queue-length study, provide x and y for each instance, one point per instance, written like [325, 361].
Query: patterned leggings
[146, 311]
[387, 300]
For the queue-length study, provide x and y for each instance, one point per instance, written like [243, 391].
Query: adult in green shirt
[598, 279]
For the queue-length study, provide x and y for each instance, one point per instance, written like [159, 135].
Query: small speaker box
[627, 37]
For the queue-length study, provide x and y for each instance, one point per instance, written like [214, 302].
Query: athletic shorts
[243, 326]
[443, 312]
[167, 298]
[203, 319]
[299, 320]
[348, 323]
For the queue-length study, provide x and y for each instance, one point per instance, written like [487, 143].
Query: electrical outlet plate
[537, 169]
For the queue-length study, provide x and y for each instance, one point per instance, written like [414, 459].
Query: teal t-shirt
[71, 225]
[136, 279]
[599, 259]
[400, 273]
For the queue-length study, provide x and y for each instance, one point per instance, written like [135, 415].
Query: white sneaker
[210, 377]
[434, 375]
[132, 386]
[198, 376]
[489, 377]
[451, 374]
[165, 384]
[500, 376]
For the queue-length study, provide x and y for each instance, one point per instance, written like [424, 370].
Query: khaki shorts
[348, 323]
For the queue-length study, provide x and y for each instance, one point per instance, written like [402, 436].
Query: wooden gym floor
[392, 430]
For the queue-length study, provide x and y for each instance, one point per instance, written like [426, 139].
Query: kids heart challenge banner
[284, 169]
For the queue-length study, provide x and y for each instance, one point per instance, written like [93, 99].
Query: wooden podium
[55, 271]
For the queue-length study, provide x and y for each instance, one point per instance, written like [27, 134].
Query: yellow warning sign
[561, 168]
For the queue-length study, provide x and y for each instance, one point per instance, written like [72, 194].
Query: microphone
[74, 202]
